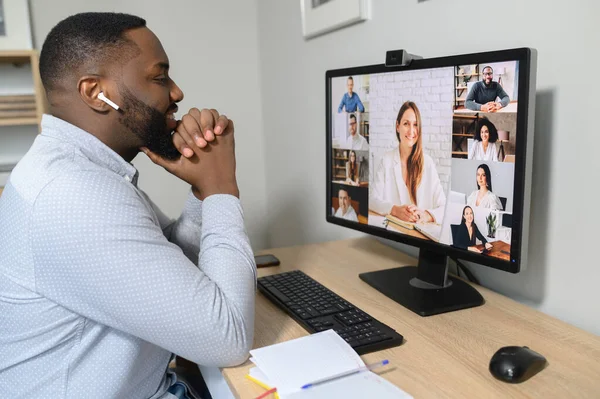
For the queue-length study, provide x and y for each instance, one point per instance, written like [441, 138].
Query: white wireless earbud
[102, 97]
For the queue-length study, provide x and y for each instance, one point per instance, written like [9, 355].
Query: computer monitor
[435, 154]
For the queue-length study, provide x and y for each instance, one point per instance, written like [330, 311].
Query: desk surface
[500, 250]
[445, 355]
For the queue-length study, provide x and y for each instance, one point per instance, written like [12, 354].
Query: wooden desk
[445, 355]
[500, 250]
[360, 183]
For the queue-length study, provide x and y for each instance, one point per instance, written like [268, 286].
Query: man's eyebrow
[161, 65]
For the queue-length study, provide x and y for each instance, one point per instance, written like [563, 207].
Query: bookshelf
[340, 157]
[23, 109]
[22, 104]
[464, 74]
[463, 128]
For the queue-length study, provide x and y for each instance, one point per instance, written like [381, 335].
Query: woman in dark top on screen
[468, 232]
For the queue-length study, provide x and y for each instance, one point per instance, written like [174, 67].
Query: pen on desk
[347, 373]
[265, 394]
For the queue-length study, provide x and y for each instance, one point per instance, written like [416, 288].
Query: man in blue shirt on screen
[350, 100]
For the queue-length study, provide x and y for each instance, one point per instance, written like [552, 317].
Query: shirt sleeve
[185, 230]
[494, 152]
[438, 198]
[341, 107]
[359, 103]
[504, 99]
[473, 149]
[470, 102]
[376, 200]
[479, 235]
[98, 250]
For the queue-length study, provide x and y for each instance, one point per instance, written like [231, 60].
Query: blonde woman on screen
[406, 183]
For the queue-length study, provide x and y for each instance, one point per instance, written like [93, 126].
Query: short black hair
[488, 176]
[81, 38]
[491, 128]
[352, 116]
[487, 66]
[350, 78]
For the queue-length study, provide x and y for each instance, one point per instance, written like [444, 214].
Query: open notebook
[290, 365]
[432, 231]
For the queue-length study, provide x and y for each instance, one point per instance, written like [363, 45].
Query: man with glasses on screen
[482, 96]
[355, 141]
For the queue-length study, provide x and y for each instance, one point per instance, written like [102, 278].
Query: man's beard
[148, 124]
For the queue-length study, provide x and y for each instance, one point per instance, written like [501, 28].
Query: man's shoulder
[84, 189]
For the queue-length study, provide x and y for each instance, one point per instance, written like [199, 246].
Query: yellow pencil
[261, 384]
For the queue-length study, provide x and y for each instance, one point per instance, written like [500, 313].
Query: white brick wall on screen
[432, 91]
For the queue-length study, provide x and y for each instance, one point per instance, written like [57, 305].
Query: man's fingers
[184, 144]
[230, 126]
[207, 124]
[193, 130]
[222, 123]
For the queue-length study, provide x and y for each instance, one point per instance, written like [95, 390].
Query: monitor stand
[425, 289]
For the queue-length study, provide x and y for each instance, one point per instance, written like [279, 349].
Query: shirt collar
[94, 149]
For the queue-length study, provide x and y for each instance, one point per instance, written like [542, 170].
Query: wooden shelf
[462, 135]
[460, 153]
[466, 74]
[464, 116]
[341, 158]
[340, 167]
[18, 121]
[16, 56]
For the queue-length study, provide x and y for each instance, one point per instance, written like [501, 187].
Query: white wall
[563, 271]
[213, 51]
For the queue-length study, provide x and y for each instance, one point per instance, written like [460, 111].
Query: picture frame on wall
[323, 16]
[15, 26]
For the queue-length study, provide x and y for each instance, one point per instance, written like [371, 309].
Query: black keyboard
[317, 308]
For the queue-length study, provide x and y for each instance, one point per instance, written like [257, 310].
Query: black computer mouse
[516, 364]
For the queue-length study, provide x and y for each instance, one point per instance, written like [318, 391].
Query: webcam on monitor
[399, 58]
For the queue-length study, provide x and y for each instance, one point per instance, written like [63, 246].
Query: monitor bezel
[523, 56]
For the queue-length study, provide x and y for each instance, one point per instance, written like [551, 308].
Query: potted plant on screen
[490, 220]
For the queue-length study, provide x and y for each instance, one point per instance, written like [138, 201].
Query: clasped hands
[205, 140]
[491, 106]
[410, 213]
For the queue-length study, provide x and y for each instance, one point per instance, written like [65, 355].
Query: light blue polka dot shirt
[98, 288]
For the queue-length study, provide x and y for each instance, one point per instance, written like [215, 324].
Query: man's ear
[89, 88]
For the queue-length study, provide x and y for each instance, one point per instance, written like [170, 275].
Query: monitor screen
[433, 154]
